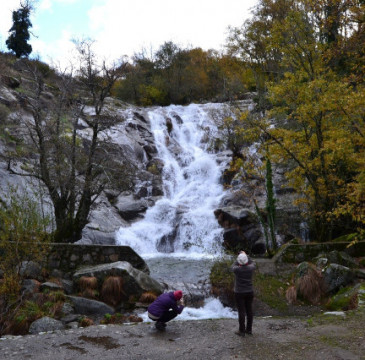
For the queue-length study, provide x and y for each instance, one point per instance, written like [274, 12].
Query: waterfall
[182, 222]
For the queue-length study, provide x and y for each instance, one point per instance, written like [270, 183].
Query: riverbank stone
[45, 324]
[85, 306]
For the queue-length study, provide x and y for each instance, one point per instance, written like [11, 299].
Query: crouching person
[165, 308]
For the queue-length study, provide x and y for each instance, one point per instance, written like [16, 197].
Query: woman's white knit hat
[242, 258]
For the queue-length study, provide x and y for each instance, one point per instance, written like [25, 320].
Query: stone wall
[296, 253]
[68, 257]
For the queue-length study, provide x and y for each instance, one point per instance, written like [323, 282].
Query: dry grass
[291, 295]
[354, 302]
[134, 318]
[88, 282]
[112, 290]
[85, 322]
[148, 297]
[310, 286]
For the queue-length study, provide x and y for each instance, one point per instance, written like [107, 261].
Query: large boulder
[337, 276]
[235, 215]
[45, 324]
[130, 208]
[85, 306]
[104, 217]
[336, 257]
[93, 237]
[135, 282]
[242, 229]
[346, 299]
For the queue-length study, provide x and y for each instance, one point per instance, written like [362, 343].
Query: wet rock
[166, 243]
[155, 166]
[130, 208]
[178, 119]
[45, 324]
[140, 117]
[50, 286]
[150, 150]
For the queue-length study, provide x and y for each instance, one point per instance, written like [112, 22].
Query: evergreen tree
[19, 32]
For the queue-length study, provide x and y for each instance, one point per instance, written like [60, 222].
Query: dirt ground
[321, 337]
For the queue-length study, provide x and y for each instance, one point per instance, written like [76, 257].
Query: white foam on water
[212, 309]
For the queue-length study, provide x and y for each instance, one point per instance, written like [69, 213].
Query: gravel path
[318, 338]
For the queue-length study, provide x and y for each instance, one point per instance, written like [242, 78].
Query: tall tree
[73, 168]
[19, 32]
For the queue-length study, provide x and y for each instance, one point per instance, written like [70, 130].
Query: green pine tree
[19, 32]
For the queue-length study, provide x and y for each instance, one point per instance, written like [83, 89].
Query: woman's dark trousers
[167, 316]
[244, 307]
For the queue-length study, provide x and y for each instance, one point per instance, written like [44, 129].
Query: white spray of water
[191, 186]
[212, 309]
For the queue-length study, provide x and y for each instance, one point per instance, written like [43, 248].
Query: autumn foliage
[308, 61]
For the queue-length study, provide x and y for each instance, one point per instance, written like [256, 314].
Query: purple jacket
[164, 303]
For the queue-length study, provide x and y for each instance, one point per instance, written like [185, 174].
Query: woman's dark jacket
[243, 277]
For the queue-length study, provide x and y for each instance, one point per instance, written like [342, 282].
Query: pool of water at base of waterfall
[171, 269]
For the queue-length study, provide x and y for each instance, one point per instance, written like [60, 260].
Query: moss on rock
[346, 299]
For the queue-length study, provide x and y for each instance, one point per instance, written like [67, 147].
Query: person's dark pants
[244, 307]
[167, 316]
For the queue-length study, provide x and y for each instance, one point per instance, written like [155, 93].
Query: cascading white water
[182, 222]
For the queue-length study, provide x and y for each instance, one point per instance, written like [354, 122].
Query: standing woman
[243, 269]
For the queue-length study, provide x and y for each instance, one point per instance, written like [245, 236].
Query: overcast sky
[123, 27]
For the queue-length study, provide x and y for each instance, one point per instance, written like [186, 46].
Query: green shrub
[222, 281]
[23, 237]
[221, 274]
[271, 290]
